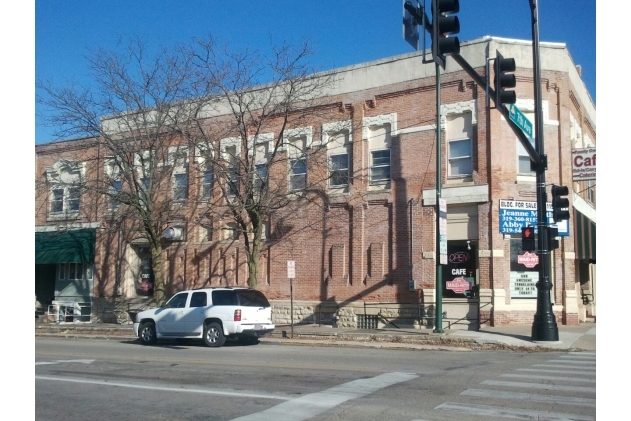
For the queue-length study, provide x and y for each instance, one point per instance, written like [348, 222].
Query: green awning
[65, 246]
[585, 237]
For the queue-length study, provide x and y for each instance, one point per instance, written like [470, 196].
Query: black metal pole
[544, 327]
[439, 269]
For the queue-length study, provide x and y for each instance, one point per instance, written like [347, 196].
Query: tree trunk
[158, 277]
[253, 262]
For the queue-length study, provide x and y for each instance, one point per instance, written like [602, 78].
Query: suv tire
[213, 335]
[147, 333]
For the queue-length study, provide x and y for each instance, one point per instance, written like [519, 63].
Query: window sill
[526, 178]
[459, 179]
[63, 216]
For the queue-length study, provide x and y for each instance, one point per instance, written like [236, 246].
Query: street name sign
[520, 119]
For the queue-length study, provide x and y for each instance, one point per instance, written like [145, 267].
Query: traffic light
[528, 239]
[560, 204]
[504, 80]
[443, 25]
[553, 233]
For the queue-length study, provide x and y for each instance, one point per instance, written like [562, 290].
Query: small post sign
[442, 214]
[291, 269]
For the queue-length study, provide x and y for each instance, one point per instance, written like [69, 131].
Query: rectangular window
[339, 170]
[380, 166]
[116, 187]
[74, 198]
[57, 201]
[260, 177]
[591, 194]
[198, 299]
[298, 174]
[61, 269]
[233, 181]
[180, 187]
[207, 183]
[224, 298]
[460, 159]
[524, 159]
[145, 186]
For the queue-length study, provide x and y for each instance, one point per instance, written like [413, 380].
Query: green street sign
[520, 119]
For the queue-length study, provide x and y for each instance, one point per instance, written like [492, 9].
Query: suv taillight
[237, 315]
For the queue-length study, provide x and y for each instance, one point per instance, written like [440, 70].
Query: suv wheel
[213, 335]
[147, 333]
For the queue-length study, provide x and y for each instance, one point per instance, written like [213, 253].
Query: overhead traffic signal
[528, 239]
[443, 24]
[553, 233]
[560, 203]
[504, 80]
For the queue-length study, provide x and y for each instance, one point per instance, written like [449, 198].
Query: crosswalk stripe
[501, 394]
[547, 370]
[534, 376]
[524, 414]
[308, 406]
[540, 386]
[566, 361]
[563, 366]
[578, 357]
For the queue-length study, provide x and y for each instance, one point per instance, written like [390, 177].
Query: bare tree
[203, 99]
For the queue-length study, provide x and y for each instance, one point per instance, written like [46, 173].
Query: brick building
[364, 250]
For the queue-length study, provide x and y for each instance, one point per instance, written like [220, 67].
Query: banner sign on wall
[583, 164]
[517, 214]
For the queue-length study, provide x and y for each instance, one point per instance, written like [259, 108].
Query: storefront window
[459, 276]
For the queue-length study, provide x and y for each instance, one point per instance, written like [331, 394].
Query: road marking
[164, 389]
[563, 400]
[540, 386]
[523, 414]
[64, 361]
[563, 366]
[590, 357]
[547, 370]
[309, 406]
[534, 376]
[572, 362]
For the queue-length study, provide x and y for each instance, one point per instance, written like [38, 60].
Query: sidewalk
[516, 337]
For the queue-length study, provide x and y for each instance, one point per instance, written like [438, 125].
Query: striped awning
[585, 237]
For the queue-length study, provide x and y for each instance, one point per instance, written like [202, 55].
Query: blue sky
[342, 32]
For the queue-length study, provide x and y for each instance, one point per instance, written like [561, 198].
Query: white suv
[212, 314]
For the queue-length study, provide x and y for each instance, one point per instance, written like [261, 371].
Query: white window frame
[450, 159]
[525, 155]
[335, 171]
[329, 132]
[65, 176]
[178, 160]
[373, 166]
[293, 176]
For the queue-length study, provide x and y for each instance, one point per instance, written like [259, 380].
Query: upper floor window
[337, 138]
[379, 135]
[180, 187]
[523, 159]
[178, 159]
[65, 178]
[459, 132]
[298, 174]
[339, 170]
[207, 183]
[260, 177]
[380, 166]
[591, 193]
[116, 187]
[65, 200]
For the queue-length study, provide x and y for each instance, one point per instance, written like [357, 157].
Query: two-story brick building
[367, 247]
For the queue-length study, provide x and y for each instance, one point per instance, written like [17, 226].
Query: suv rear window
[224, 298]
[252, 298]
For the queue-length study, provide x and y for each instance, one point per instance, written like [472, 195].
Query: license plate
[258, 327]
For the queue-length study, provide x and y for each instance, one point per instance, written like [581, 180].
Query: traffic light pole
[544, 327]
[439, 268]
